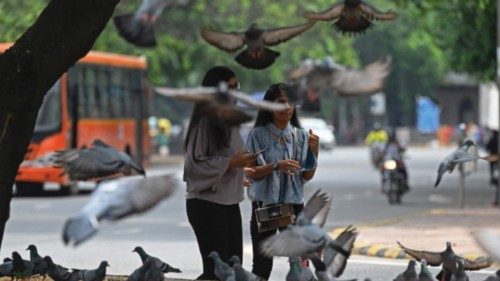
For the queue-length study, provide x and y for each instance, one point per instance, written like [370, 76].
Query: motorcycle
[393, 177]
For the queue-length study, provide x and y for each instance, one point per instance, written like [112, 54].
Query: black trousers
[217, 228]
[263, 265]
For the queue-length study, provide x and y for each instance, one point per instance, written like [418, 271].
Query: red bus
[103, 96]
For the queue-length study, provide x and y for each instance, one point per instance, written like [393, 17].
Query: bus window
[49, 115]
[102, 86]
[116, 93]
[92, 95]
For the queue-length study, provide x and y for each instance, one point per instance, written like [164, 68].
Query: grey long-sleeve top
[206, 170]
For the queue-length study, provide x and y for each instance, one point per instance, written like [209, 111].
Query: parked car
[322, 129]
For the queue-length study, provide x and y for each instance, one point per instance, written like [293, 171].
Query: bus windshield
[49, 116]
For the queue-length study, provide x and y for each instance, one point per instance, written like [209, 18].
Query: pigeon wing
[85, 164]
[374, 14]
[441, 170]
[287, 244]
[272, 37]
[301, 72]
[462, 157]
[367, 81]
[315, 206]
[228, 42]
[478, 264]
[335, 261]
[432, 258]
[265, 105]
[330, 14]
[200, 94]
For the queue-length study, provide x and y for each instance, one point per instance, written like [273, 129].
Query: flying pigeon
[410, 274]
[351, 16]
[116, 199]
[448, 259]
[220, 102]
[304, 239]
[40, 264]
[138, 28]
[221, 269]
[490, 242]
[495, 277]
[336, 261]
[99, 161]
[163, 266]
[460, 274]
[256, 55]
[341, 80]
[322, 272]
[97, 274]
[425, 274]
[57, 272]
[456, 157]
[299, 272]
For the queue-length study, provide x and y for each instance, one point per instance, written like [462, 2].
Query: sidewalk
[427, 230]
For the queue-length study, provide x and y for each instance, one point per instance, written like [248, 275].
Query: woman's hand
[243, 159]
[288, 166]
[313, 142]
[249, 175]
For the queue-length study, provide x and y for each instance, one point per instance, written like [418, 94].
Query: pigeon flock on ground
[152, 268]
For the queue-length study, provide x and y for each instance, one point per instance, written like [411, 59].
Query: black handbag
[274, 217]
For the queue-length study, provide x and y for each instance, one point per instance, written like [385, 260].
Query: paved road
[165, 232]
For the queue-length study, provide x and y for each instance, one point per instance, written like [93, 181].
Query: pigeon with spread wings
[256, 55]
[342, 80]
[101, 160]
[447, 259]
[351, 16]
[220, 102]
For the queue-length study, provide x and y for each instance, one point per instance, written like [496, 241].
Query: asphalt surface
[165, 232]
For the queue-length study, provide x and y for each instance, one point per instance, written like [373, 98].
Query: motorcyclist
[394, 150]
[376, 140]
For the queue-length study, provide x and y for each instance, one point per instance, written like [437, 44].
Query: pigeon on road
[456, 157]
[139, 274]
[116, 199]
[97, 274]
[57, 272]
[220, 102]
[235, 260]
[460, 274]
[448, 259]
[99, 161]
[351, 16]
[410, 274]
[345, 82]
[425, 274]
[221, 269]
[256, 55]
[40, 264]
[163, 266]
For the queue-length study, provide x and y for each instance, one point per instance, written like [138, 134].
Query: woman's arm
[286, 166]
[313, 142]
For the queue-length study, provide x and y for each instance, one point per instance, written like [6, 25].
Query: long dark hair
[222, 136]
[265, 117]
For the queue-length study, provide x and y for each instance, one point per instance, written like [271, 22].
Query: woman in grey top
[288, 162]
[213, 172]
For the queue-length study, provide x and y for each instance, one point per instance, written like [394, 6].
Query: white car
[322, 129]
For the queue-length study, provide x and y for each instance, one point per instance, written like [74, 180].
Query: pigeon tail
[135, 32]
[138, 168]
[79, 228]
[353, 27]
[438, 180]
[265, 60]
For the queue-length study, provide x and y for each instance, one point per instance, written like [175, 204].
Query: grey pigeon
[460, 274]
[304, 239]
[249, 275]
[456, 157]
[410, 274]
[336, 261]
[97, 274]
[116, 199]
[448, 259]
[6, 269]
[21, 268]
[219, 103]
[256, 55]
[343, 81]
[163, 266]
[139, 274]
[322, 272]
[153, 273]
[239, 274]
[495, 277]
[99, 161]
[40, 264]
[425, 274]
[221, 269]
[490, 242]
[298, 272]
[351, 16]
[57, 272]
[7, 259]
[138, 28]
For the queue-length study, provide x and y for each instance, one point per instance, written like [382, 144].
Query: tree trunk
[63, 33]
